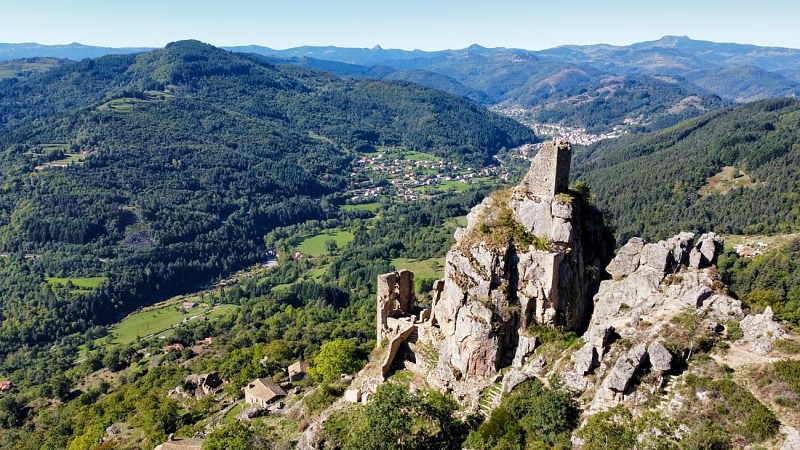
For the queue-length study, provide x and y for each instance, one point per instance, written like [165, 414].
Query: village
[410, 175]
[575, 135]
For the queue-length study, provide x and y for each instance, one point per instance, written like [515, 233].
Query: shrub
[734, 330]
[531, 417]
[612, 429]
[335, 358]
[322, 397]
[789, 346]
[708, 436]
[394, 419]
[788, 371]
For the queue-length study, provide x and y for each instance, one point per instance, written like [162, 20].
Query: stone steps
[490, 398]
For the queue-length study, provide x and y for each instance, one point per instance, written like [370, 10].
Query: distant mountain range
[647, 85]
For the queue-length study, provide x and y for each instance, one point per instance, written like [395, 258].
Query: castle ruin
[493, 293]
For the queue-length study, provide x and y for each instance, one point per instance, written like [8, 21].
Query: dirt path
[739, 356]
[743, 362]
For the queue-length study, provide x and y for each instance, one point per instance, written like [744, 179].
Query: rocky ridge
[538, 257]
[531, 256]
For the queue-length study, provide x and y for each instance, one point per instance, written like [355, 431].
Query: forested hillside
[733, 170]
[771, 279]
[277, 317]
[643, 86]
[550, 91]
[160, 171]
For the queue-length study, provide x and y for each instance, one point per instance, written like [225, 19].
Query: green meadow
[425, 268]
[315, 245]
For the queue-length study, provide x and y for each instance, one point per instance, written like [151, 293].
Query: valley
[186, 230]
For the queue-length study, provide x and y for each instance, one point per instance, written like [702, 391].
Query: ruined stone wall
[396, 298]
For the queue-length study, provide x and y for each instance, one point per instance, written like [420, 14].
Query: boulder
[656, 256]
[525, 346]
[574, 382]
[584, 359]
[251, 413]
[598, 337]
[723, 308]
[696, 296]
[710, 246]
[660, 357]
[680, 246]
[791, 438]
[695, 259]
[705, 251]
[513, 379]
[536, 366]
[625, 368]
[627, 259]
[761, 330]
[352, 395]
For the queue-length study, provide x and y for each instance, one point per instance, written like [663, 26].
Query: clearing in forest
[728, 179]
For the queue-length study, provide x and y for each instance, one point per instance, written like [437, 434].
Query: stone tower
[549, 174]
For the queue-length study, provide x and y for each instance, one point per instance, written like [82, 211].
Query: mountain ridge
[507, 78]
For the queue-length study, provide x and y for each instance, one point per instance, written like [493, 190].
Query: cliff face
[529, 256]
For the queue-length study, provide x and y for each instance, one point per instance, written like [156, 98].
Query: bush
[708, 436]
[500, 431]
[612, 429]
[735, 409]
[734, 330]
[335, 358]
[322, 397]
[531, 416]
[789, 346]
[396, 419]
[788, 371]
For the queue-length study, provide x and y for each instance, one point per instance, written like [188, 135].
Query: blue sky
[406, 24]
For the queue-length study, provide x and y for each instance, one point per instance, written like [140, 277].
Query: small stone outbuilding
[262, 391]
[297, 371]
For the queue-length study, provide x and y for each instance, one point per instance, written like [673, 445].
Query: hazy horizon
[64, 44]
[414, 24]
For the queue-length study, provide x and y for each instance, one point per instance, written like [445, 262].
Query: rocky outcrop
[660, 357]
[653, 286]
[531, 255]
[624, 369]
[761, 331]
[661, 285]
[585, 359]
[705, 251]
[627, 259]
